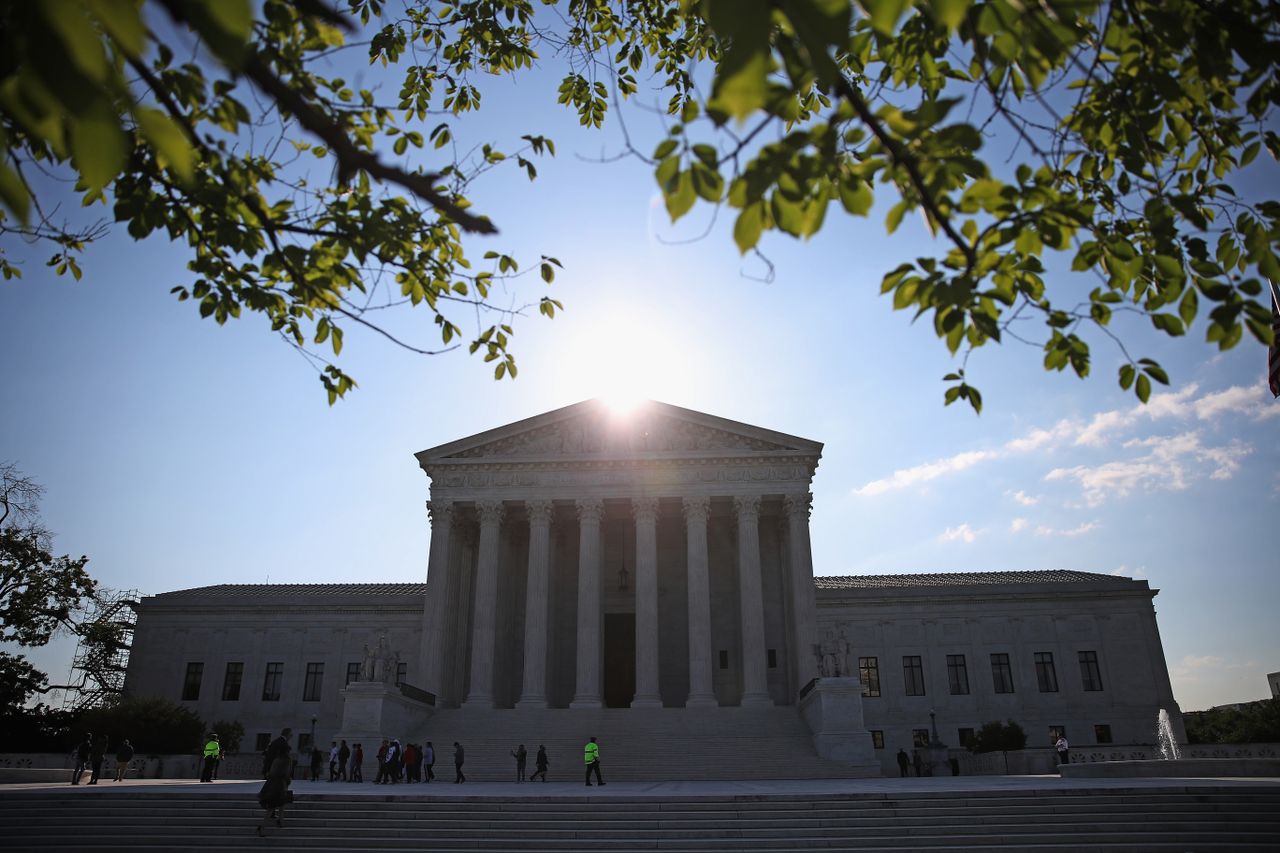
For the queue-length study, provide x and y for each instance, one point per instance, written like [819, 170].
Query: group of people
[93, 751]
[405, 763]
[345, 762]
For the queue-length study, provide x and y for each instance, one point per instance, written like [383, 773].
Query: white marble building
[659, 560]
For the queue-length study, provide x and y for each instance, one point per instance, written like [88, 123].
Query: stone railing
[244, 765]
[1040, 761]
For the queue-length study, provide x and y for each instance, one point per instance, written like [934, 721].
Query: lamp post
[933, 723]
[313, 733]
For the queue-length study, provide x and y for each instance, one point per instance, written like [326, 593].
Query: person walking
[357, 764]
[344, 755]
[123, 756]
[96, 756]
[458, 757]
[903, 763]
[211, 749]
[275, 794]
[916, 762]
[217, 762]
[429, 760]
[394, 756]
[410, 763]
[82, 758]
[541, 763]
[317, 761]
[1064, 756]
[382, 762]
[333, 761]
[591, 754]
[520, 755]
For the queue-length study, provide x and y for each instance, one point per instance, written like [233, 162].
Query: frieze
[669, 475]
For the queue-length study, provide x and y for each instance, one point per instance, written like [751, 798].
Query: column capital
[590, 509]
[490, 512]
[540, 511]
[440, 512]
[747, 507]
[644, 509]
[696, 508]
[798, 504]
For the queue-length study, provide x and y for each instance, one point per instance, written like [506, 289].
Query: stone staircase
[1179, 818]
[636, 745]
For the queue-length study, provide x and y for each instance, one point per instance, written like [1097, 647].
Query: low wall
[1184, 768]
[53, 766]
[1024, 762]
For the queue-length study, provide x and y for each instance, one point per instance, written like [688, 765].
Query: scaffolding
[102, 650]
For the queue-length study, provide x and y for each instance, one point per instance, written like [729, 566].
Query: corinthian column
[587, 689]
[804, 619]
[534, 694]
[486, 606]
[432, 652]
[755, 688]
[645, 511]
[695, 519]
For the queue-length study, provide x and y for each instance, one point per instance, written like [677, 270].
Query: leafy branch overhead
[1133, 184]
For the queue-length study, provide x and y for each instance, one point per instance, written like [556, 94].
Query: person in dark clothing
[458, 757]
[520, 755]
[82, 758]
[541, 762]
[344, 756]
[357, 764]
[123, 756]
[916, 761]
[903, 763]
[382, 763]
[410, 762]
[275, 794]
[429, 760]
[96, 757]
[317, 762]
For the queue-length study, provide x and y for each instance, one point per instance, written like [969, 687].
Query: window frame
[313, 681]
[869, 675]
[353, 672]
[877, 739]
[272, 681]
[913, 675]
[1090, 671]
[957, 675]
[1046, 673]
[191, 681]
[1002, 674]
[231, 687]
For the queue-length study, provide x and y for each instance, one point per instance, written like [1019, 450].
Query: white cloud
[1023, 498]
[1018, 524]
[963, 533]
[1123, 571]
[1174, 404]
[904, 477]
[1079, 530]
[1191, 666]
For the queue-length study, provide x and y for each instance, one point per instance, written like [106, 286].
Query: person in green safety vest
[212, 749]
[591, 755]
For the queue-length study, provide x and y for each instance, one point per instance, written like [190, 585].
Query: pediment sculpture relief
[586, 436]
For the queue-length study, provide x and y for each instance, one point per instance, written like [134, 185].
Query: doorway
[619, 659]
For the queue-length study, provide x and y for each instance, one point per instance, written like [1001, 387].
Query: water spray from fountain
[1164, 735]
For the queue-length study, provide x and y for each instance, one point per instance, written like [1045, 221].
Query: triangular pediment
[591, 428]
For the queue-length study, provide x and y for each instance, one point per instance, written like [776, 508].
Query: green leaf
[1127, 375]
[749, 226]
[884, 14]
[168, 140]
[949, 13]
[98, 146]
[679, 195]
[123, 22]
[740, 83]
[856, 199]
[14, 194]
[1143, 388]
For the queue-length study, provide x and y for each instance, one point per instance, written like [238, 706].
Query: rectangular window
[271, 682]
[724, 658]
[191, 684]
[315, 678]
[869, 674]
[920, 737]
[1090, 675]
[964, 736]
[1046, 677]
[1102, 733]
[957, 675]
[1001, 673]
[262, 741]
[231, 681]
[913, 675]
[877, 739]
[1056, 732]
[353, 673]
[773, 658]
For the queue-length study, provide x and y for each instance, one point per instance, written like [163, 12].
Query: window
[271, 683]
[231, 681]
[1001, 673]
[262, 741]
[957, 675]
[1090, 675]
[1102, 734]
[191, 684]
[913, 675]
[773, 658]
[724, 659]
[965, 736]
[315, 678]
[353, 673]
[402, 673]
[1046, 677]
[877, 739]
[920, 737]
[1056, 732]
[869, 673]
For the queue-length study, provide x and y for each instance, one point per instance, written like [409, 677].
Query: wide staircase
[1179, 818]
[638, 745]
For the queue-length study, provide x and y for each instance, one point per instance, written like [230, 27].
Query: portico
[575, 557]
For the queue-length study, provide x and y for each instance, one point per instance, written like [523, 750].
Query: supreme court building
[583, 561]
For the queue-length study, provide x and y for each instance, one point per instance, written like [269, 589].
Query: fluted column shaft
[587, 692]
[804, 617]
[484, 626]
[433, 651]
[645, 511]
[534, 694]
[701, 694]
[755, 688]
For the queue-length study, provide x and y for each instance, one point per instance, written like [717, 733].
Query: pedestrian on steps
[382, 762]
[211, 750]
[458, 757]
[82, 758]
[97, 756]
[274, 794]
[357, 764]
[541, 762]
[344, 756]
[124, 754]
[591, 754]
[429, 759]
[520, 755]
[903, 762]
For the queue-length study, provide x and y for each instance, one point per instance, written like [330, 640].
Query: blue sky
[176, 453]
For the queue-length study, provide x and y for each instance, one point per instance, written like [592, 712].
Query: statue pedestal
[372, 710]
[833, 711]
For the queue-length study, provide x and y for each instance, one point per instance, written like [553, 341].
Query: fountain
[1164, 736]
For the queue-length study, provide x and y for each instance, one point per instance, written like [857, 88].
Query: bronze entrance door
[619, 659]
